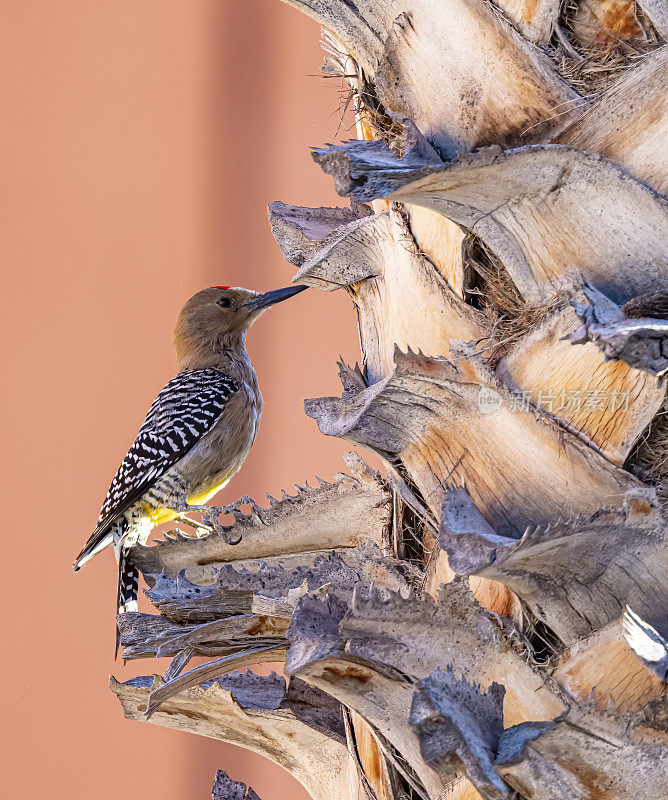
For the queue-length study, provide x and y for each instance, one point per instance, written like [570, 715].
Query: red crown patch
[219, 287]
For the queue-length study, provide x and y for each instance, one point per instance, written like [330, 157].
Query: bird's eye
[224, 302]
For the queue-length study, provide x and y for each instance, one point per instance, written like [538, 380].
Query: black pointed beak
[271, 298]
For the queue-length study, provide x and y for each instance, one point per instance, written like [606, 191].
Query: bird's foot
[192, 523]
[210, 515]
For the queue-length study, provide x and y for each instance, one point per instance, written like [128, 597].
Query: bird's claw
[210, 515]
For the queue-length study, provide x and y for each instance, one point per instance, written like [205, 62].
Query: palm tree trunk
[487, 618]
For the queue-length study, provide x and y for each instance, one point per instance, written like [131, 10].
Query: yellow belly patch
[200, 499]
[160, 515]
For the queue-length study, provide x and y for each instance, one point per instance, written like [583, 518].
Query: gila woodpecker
[196, 434]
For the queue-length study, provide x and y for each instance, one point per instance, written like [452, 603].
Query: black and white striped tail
[128, 576]
[128, 583]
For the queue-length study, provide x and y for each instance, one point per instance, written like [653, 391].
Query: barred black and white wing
[184, 411]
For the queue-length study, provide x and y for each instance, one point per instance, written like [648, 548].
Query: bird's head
[219, 316]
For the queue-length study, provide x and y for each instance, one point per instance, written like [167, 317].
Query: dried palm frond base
[372, 117]
[490, 288]
[649, 458]
[589, 57]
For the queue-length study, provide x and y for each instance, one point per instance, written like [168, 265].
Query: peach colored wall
[140, 143]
